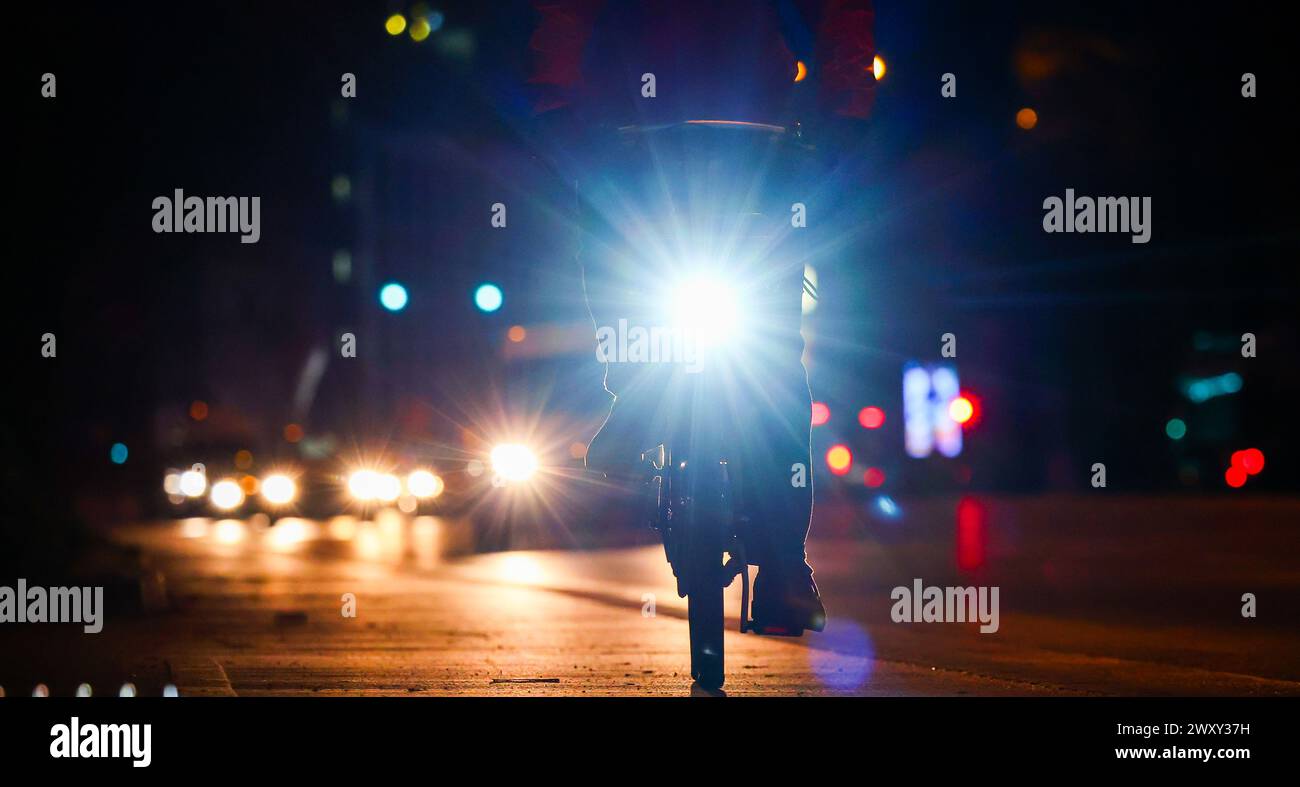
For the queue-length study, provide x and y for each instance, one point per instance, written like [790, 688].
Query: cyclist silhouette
[622, 87]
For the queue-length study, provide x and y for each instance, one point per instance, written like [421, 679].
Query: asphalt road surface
[1116, 597]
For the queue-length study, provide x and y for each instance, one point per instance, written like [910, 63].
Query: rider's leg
[786, 599]
[777, 467]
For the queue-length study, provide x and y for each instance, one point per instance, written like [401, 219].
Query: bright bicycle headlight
[705, 307]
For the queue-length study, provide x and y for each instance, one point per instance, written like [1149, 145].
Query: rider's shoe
[786, 601]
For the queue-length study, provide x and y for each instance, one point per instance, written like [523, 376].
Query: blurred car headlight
[226, 494]
[172, 483]
[192, 483]
[513, 462]
[367, 485]
[364, 484]
[389, 487]
[279, 489]
[424, 485]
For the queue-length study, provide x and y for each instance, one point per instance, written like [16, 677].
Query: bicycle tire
[706, 542]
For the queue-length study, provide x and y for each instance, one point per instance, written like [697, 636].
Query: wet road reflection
[390, 537]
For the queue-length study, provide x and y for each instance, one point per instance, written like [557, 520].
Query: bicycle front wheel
[706, 623]
[704, 551]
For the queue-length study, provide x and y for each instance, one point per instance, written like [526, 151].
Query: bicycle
[702, 528]
[696, 517]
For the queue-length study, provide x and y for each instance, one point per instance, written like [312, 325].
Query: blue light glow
[488, 297]
[844, 658]
[1199, 390]
[392, 296]
[1175, 428]
[887, 507]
